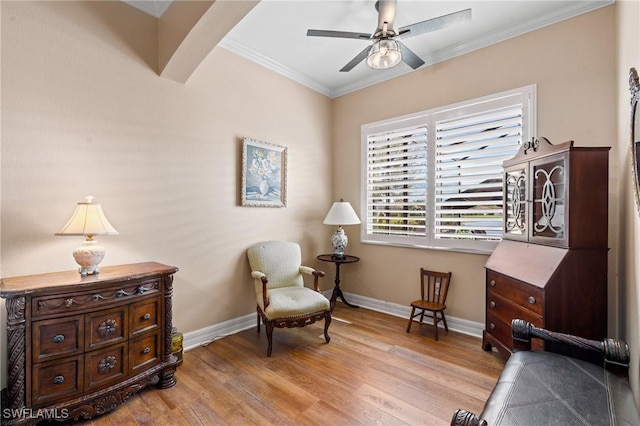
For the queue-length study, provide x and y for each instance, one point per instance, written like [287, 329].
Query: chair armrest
[257, 275]
[614, 353]
[306, 270]
[466, 418]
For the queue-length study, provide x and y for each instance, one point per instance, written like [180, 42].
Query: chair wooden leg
[435, 324]
[258, 322]
[269, 329]
[444, 320]
[327, 321]
[410, 318]
[422, 316]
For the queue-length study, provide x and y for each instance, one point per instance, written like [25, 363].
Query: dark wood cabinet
[80, 346]
[557, 195]
[551, 266]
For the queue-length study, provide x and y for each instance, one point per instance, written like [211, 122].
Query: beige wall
[574, 69]
[628, 219]
[84, 113]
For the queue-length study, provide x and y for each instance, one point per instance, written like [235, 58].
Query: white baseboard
[206, 335]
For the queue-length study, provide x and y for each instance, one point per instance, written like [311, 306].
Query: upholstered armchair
[282, 299]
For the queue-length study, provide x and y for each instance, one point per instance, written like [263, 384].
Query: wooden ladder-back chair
[282, 299]
[434, 287]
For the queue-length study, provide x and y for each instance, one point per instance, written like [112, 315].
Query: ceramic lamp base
[339, 242]
[88, 256]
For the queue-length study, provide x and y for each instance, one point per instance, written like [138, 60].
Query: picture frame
[264, 174]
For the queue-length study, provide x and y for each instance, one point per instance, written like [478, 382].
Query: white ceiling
[273, 34]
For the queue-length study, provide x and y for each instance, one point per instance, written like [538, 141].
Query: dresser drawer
[57, 379]
[106, 327]
[499, 329]
[105, 366]
[145, 316]
[144, 352]
[528, 296]
[57, 338]
[93, 300]
[502, 332]
[507, 310]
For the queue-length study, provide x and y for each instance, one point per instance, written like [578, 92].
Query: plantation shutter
[396, 183]
[468, 172]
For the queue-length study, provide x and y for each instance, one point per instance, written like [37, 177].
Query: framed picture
[264, 174]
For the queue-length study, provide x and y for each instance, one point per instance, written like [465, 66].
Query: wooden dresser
[551, 267]
[80, 346]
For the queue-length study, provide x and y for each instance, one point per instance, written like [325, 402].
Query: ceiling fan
[386, 51]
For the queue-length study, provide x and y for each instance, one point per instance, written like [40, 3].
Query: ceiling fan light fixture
[384, 54]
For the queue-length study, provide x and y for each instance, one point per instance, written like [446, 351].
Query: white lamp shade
[88, 219]
[341, 213]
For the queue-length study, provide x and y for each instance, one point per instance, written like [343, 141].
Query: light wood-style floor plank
[372, 372]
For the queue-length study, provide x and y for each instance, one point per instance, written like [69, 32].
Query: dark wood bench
[539, 387]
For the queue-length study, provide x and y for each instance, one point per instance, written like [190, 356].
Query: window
[434, 179]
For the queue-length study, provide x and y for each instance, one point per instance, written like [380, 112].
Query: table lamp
[341, 213]
[88, 220]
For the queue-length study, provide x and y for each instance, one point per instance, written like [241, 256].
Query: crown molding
[500, 34]
[260, 59]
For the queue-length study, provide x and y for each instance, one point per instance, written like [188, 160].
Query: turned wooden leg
[466, 418]
[258, 322]
[435, 323]
[167, 378]
[410, 318]
[269, 326]
[444, 320]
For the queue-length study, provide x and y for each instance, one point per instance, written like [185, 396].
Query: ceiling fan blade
[338, 34]
[409, 57]
[435, 24]
[355, 61]
[386, 14]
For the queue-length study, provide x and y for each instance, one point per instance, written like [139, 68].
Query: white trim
[573, 9]
[460, 325]
[260, 59]
[206, 335]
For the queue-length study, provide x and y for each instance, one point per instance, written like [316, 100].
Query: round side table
[337, 291]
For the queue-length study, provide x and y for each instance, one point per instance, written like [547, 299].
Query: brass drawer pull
[58, 338]
[146, 316]
[492, 326]
[493, 283]
[492, 304]
[146, 351]
[58, 380]
[532, 300]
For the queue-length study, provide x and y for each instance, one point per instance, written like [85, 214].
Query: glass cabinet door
[516, 209]
[549, 176]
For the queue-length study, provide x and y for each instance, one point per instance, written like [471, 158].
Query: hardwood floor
[372, 372]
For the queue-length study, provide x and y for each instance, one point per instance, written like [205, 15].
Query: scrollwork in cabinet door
[516, 192]
[548, 201]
